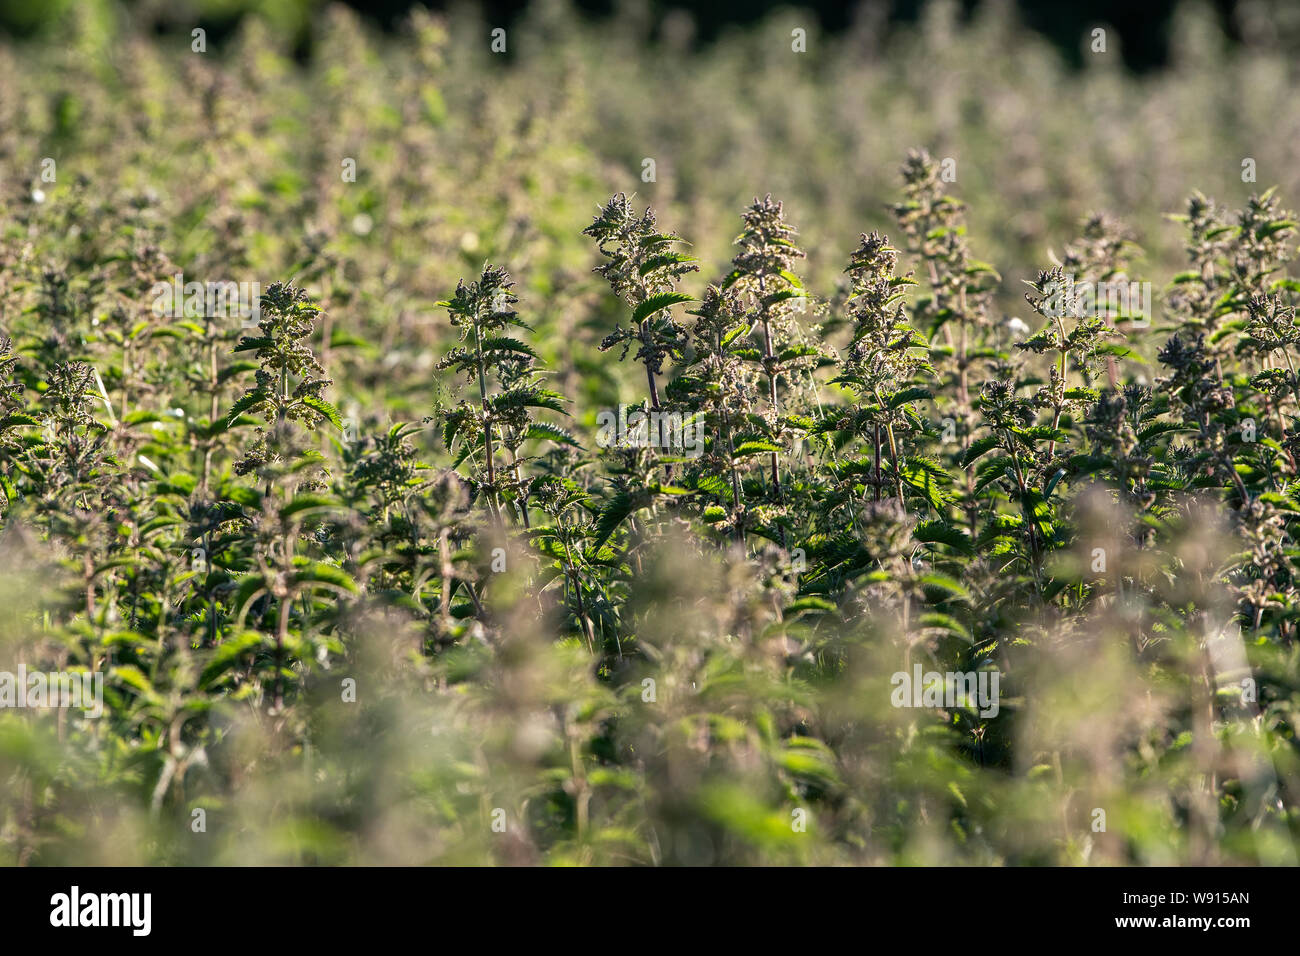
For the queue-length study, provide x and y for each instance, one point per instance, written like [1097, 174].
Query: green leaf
[16, 419]
[913, 394]
[657, 302]
[939, 532]
[1119, 351]
[228, 655]
[549, 432]
[244, 404]
[528, 397]
[504, 343]
[324, 408]
[133, 677]
[250, 344]
[942, 582]
[1051, 485]
[776, 298]
[745, 449]
[979, 447]
[309, 502]
[616, 510]
[664, 259]
[991, 470]
[321, 573]
[944, 622]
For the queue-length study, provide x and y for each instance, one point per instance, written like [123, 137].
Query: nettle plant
[12, 418]
[761, 271]
[722, 388]
[880, 366]
[490, 432]
[288, 385]
[632, 651]
[643, 270]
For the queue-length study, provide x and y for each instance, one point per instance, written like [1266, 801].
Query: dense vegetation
[378, 575]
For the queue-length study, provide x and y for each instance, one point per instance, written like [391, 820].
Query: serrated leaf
[324, 408]
[657, 302]
[244, 404]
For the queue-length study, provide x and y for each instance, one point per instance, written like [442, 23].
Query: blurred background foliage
[227, 165]
[1143, 27]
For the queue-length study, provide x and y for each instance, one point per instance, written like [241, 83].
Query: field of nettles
[622, 449]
